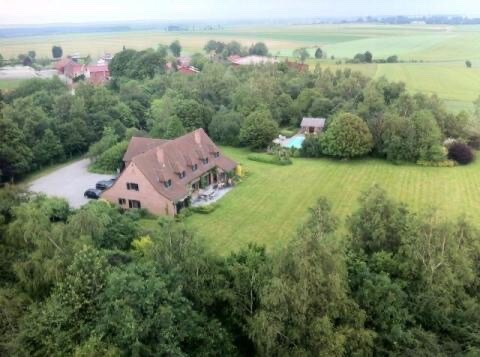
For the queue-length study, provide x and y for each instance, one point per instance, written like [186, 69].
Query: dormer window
[182, 174]
[216, 154]
[168, 183]
[205, 161]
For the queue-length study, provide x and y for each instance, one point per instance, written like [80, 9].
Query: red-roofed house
[60, 65]
[188, 70]
[73, 69]
[163, 176]
[97, 74]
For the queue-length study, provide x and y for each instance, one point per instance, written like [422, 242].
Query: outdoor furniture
[212, 194]
[206, 194]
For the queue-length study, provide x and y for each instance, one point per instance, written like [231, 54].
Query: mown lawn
[272, 201]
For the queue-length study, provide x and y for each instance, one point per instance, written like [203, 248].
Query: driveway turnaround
[69, 182]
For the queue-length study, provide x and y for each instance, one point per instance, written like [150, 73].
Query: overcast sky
[50, 11]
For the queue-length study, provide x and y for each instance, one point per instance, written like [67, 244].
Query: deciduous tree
[347, 136]
[57, 52]
[176, 48]
[259, 129]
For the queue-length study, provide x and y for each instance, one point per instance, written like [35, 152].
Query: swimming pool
[295, 142]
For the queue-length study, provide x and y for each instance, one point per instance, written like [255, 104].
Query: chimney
[197, 136]
[160, 156]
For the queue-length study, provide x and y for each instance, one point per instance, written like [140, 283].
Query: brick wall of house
[149, 198]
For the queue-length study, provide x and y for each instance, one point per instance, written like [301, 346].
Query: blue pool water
[295, 142]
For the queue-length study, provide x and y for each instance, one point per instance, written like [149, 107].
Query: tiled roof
[60, 65]
[188, 70]
[313, 122]
[98, 68]
[166, 160]
[139, 145]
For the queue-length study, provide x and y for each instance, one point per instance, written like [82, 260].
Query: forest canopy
[95, 281]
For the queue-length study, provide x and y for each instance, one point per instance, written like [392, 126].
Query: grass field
[444, 50]
[457, 85]
[270, 203]
[433, 43]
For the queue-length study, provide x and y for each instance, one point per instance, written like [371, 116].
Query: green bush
[204, 209]
[311, 146]
[110, 160]
[269, 159]
[288, 132]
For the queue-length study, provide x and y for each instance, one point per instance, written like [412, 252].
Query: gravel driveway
[69, 182]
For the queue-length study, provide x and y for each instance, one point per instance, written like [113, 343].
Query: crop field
[271, 201]
[439, 51]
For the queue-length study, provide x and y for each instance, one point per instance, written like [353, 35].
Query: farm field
[269, 204]
[457, 85]
[443, 50]
[428, 43]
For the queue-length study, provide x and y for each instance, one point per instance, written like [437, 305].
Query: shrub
[204, 209]
[461, 153]
[288, 132]
[311, 146]
[269, 159]
[111, 159]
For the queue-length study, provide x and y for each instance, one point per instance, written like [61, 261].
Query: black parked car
[93, 193]
[104, 184]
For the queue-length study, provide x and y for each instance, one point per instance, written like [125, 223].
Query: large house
[164, 176]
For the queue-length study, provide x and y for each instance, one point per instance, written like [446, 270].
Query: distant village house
[182, 65]
[95, 74]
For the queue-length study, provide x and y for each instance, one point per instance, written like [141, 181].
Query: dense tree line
[43, 123]
[224, 50]
[93, 281]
